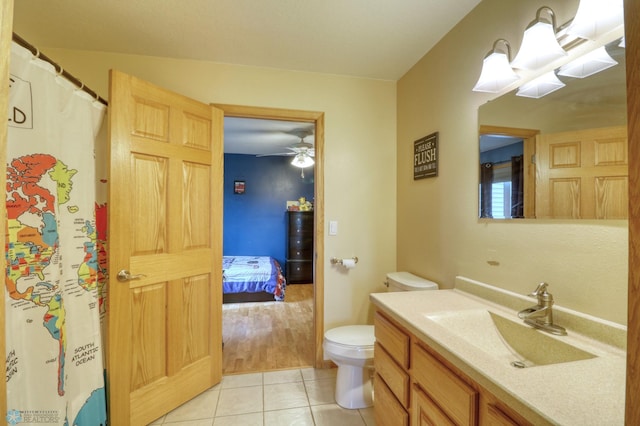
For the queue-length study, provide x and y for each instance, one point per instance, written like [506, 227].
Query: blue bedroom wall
[254, 222]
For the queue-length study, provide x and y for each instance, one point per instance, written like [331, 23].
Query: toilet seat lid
[352, 335]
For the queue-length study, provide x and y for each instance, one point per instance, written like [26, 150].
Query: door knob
[124, 275]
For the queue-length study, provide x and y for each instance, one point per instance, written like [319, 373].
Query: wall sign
[425, 157]
[238, 186]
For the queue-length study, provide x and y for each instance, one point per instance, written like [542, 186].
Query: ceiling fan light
[539, 44]
[540, 86]
[302, 161]
[596, 17]
[589, 64]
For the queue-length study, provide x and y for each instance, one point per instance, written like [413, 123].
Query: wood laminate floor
[267, 336]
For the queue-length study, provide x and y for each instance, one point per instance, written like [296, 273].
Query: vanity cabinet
[414, 385]
[391, 381]
[299, 267]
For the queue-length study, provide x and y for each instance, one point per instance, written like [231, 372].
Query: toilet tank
[406, 281]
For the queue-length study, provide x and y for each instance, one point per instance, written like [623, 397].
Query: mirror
[532, 151]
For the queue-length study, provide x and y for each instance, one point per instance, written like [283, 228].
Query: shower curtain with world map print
[56, 249]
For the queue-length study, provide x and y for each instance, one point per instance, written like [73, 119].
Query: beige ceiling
[379, 39]
[264, 137]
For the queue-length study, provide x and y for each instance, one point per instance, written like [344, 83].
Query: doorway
[317, 289]
[496, 143]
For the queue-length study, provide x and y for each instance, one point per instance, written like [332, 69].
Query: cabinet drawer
[300, 254]
[387, 409]
[300, 242]
[394, 340]
[425, 411]
[454, 396]
[300, 222]
[301, 231]
[496, 417]
[300, 271]
[393, 375]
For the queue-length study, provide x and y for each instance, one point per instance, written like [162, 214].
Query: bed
[252, 279]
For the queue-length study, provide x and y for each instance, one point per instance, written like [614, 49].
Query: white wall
[439, 234]
[360, 155]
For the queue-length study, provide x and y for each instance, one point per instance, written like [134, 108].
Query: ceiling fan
[302, 153]
[262, 138]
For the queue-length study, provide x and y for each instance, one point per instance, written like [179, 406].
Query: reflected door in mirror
[582, 174]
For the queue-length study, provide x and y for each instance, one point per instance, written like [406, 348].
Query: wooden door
[165, 220]
[582, 174]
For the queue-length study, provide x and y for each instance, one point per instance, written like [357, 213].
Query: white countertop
[586, 392]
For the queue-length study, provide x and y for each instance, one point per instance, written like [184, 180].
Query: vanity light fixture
[596, 17]
[589, 64]
[539, 44]
[302, 161]
[540, 86]
[496, 72]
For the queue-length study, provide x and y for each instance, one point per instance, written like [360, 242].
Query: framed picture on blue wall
[238, 187]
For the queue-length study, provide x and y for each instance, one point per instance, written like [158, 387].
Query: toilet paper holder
[336, 261]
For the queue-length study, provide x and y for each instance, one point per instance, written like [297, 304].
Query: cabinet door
[426, 412]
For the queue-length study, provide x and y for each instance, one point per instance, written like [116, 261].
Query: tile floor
[276, 398]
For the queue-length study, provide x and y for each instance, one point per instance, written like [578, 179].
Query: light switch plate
[333, 227]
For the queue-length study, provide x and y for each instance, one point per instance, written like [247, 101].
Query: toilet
[351, 348]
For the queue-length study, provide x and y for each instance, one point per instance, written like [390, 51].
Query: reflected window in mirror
[501, 177]
[507, 173]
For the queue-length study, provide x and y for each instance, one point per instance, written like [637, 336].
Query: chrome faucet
[540, 316]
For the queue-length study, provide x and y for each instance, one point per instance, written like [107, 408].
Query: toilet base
[353, 387]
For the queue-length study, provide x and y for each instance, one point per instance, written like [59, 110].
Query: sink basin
[506, 340]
